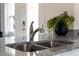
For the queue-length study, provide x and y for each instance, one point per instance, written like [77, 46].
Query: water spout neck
[33, 34]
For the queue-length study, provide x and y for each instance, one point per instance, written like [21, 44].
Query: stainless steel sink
[52, 44]
[26, 46]
[37, 46]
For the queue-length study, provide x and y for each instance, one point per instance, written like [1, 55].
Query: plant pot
[61, 29]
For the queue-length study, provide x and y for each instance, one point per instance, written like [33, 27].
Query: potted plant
[61, 23]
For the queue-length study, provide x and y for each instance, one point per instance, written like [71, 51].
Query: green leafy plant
[67, 19]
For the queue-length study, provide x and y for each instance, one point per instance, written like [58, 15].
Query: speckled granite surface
[71, 36]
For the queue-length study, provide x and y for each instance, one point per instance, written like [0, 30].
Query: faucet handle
[32, 22]
[31, 27]
[41, 30]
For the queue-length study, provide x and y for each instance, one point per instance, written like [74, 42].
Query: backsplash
[71, 35]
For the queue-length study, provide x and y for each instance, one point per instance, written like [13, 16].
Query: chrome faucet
[32, 33]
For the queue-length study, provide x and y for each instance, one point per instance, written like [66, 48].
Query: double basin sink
[37, 46]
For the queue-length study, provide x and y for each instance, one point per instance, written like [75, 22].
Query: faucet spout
[32, 33]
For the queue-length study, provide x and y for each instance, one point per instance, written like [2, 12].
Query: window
[9, 19]
[9, 22]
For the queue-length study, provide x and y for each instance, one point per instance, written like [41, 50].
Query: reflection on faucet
[32, 33]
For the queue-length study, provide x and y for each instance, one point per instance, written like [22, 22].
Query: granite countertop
[71, 36]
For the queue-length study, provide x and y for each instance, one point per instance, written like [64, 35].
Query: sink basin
[37, 46]
[52, 44]
[26, 46]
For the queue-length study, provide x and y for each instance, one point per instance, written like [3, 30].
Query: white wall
[20, 16]
[76, 15]
[50, 10]
[32, 15]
